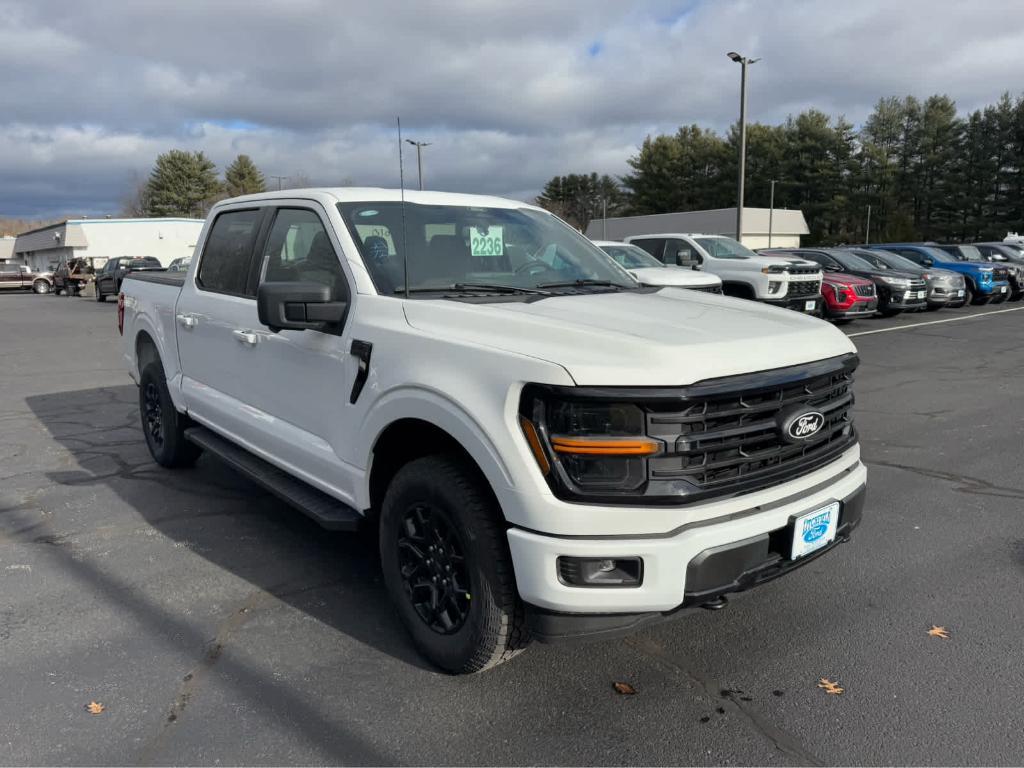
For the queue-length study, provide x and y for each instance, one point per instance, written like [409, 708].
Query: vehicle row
[842, 283]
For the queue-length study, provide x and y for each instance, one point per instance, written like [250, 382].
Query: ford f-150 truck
[544, 448]
[788, 282]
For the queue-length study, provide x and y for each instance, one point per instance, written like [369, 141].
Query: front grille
[1001, 273]
[793, 270]
[804, 288]
[709, 289]
[726, 437]
[864, 290]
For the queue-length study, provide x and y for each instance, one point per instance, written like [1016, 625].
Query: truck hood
[635, 338]
[684, 278]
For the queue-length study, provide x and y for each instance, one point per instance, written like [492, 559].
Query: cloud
[508, 94]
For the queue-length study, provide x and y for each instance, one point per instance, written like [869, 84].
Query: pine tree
[182, 184]
[242, 177]
[581, 198]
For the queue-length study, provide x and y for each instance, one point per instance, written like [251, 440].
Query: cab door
[300, 381]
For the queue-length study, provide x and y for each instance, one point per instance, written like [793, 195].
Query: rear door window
[224, 267]
[653, 245]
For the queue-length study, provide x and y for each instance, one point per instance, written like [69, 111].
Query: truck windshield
[725, 248]
[631, 257]
[452, 248]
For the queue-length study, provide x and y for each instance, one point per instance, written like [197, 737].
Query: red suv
[848, 297]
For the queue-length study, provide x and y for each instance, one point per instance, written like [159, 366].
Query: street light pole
[867, 228]
[743, 61]
[771, 212]
[279, 180]
[419, 160]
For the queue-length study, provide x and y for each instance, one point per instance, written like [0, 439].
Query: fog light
[601, 571]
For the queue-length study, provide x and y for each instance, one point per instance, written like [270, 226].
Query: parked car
[109, 279]
[981, 284]
[1007, 272]
[43, 282]
[897, 291]
[71, 275]
[16, 277]
[1009, 256]
[650, 271]
[784, 282]
[543, 447]
[848, 297]
[945, 288]
[180, 265]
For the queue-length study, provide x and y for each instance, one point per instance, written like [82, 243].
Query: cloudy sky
[509, 92]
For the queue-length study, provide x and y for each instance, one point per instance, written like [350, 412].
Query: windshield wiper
[582, 283]
[472, 287]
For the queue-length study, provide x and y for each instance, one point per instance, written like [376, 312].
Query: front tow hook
[717, 604]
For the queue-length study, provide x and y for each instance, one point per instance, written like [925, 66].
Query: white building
[102, 239]
[6, 249]
[787, 226]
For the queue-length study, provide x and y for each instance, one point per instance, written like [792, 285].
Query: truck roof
[375, 194]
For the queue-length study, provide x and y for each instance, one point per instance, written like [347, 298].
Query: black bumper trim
[715, 572]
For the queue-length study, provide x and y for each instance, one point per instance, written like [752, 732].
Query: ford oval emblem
[802, 425]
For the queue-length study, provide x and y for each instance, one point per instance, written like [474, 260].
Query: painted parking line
[935, 322]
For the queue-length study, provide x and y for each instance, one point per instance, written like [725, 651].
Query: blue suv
[985, 282]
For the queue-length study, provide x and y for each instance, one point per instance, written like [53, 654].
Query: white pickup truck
[545, 448]
[788, 282]
[650, 271]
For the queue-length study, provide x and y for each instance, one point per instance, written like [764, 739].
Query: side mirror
[927, 262]
[299, 307]
[688, 259]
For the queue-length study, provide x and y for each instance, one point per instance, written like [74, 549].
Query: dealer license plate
[814, 530]
[922, 294]
[959, 294]
[1002, 289]
[810, 305]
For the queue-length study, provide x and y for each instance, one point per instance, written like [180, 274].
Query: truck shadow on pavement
[223, 517]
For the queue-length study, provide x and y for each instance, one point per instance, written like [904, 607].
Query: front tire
[447, 566]
[41, 287]
[162, 425]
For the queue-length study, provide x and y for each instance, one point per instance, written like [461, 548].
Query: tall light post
[771, 211]
[743, 61]
[279, 180]
[419, 159]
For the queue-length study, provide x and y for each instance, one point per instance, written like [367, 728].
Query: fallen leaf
[939, 632]
[94, 708]
[624, 688]
[830, 687]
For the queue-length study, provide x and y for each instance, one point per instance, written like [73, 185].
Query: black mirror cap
[299, 307]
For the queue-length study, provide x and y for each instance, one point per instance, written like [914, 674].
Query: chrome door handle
[188, 321]
[246, 337]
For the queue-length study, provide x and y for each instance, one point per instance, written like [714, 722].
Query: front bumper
[811, 305]
[858, 309]
[668, 582]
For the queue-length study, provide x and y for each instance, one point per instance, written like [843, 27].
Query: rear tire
[99, 294]
[163, 427]
[447, 566]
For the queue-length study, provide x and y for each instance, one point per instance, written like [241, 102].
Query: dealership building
[102, 239]
[762, 227]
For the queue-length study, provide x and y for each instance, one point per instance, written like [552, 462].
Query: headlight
[587, 447]
[774, 269]
[895, 281]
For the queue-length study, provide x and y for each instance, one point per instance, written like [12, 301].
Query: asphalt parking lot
[217, 626]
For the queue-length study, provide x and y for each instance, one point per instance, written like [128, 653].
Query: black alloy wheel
[433, 568]
[153, 414]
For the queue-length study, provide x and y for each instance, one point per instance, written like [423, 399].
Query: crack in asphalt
[963, 483]
[786, 743]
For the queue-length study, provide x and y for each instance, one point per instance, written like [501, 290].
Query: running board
[330, 513]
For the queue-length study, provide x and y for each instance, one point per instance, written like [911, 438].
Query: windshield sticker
[488, 241]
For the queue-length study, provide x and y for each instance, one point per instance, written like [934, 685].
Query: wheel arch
[407, 439]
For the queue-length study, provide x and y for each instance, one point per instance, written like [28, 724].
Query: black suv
[898, 291]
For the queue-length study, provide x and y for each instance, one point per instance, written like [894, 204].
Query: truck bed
[154, 276]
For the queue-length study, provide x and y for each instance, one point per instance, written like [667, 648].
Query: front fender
[442, 412]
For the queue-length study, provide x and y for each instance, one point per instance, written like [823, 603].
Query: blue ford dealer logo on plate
[815, 527]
